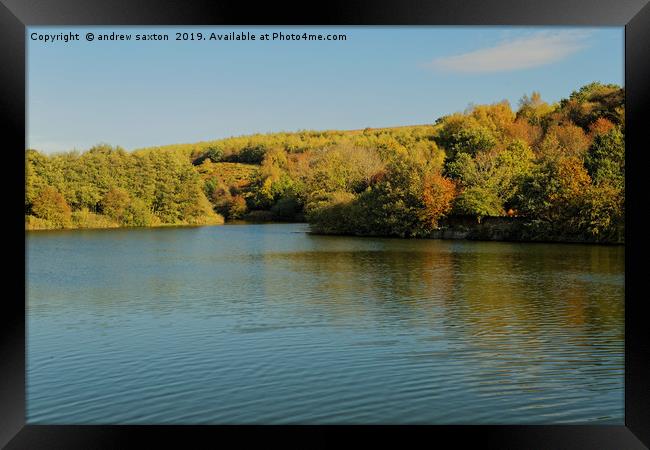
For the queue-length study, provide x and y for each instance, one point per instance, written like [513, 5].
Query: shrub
[51, 206]
[286, 208]
[87, 219]
[237, 207]
[215, 153]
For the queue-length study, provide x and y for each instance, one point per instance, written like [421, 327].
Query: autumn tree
[534, 110]
[553, 193]
[50, 205]
[593, 101]
[438, 194]
[115, 203]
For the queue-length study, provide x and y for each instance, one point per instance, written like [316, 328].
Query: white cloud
[520, 53]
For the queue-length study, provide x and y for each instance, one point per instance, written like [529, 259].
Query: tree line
[109, 187]
[560, 168]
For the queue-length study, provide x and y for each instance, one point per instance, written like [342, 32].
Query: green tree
[605, 159]
[602, 212]
[553, 194]
[465, 135]
[479, 202]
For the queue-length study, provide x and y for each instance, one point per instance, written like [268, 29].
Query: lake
[270, 324]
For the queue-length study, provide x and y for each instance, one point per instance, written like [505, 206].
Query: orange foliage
[524, 130]
[438, 195]
[51, 205]
[378, 177]
[600, 126]
[574, 179]
[571, 138]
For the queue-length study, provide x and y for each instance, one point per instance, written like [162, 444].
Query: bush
[36, 223]
[137, 214]
[51, 206]
[215, 153]
[87, 219]
[251, 155]
[286, 208]
[237, 207]
[207, 219]
[338, 215]
[478, 202]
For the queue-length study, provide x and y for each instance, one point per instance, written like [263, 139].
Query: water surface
[269, 324]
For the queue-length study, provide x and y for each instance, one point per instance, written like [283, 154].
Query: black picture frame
[16, 15]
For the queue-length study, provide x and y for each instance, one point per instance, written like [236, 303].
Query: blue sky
[137, 94]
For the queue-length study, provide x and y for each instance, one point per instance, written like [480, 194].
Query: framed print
[386, 219]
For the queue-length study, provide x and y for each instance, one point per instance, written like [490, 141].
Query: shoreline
[479, 239]
[448, 233]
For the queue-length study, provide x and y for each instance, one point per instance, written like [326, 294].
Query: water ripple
[267, 324]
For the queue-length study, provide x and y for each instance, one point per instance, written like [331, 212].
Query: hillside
[558, 167]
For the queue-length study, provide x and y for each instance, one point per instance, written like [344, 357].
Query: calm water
[268, 324]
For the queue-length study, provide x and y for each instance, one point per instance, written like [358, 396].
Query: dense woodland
[558, 168]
